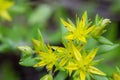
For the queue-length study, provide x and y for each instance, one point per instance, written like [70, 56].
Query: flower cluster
[72, 57]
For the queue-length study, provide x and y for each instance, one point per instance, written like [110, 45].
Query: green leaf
[55, 37]
[27, 61]
[37, 34]
[96, 77]
[96, 62]
[19, 8]
[104, 40]
[41, 15]
[96, 20]
[40, 36]
[62, 75]
[70, 22]
[47, 77]
[106, 48]
[118, 69]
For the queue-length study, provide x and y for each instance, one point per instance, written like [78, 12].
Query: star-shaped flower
[68, 53]
[84, 66]
[48, 59]
[78, 31]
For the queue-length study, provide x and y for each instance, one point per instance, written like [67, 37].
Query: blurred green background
[28, 15]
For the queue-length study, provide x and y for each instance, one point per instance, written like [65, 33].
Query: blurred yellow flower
[4, 6]
[78, 31]
[116, 76]
[84, 66]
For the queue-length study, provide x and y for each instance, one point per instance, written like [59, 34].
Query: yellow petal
[69, 37]
[63, 62]
[36, 42]
[89, 29]
[40, 64]
[91, 56]
[59, 49]
[67, 25]
[82, 38]
[5, 15]
[96, 71]
[71, 66]
[76, 52]
[80, 47]
[83, 21]
[49, 66]
[82, 75]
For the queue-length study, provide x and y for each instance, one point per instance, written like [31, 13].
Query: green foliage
[40, 15]
[61, 73]
[96, 77]
[47, 77]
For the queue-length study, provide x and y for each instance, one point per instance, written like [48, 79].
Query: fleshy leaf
[47, 77]
[62, 75]
[28, 61]
[106, 48]
[104, 40]
[96, 77]
[39, 36]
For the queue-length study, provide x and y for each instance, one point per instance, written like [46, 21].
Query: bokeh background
[28, 15]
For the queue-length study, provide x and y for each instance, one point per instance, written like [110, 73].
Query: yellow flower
[78, 31]
[68, 53]
[116, 76]
[46, 56]
[48, 59]
[4, 6]
[84, 66]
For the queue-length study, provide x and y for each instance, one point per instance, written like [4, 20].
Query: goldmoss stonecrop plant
[73, 58]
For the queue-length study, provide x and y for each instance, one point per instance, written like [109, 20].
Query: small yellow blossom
[4, 6]
[116, 76]
[84, 66]
[47, 59]
[78, 31]
[68, 53]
